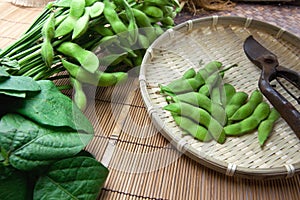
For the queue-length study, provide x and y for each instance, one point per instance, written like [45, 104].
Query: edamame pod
[98, 78]
[237, 100]
[103, 30]
[202, 101]
[96, 9]
[181, 86]
[112, 17]
[266, 126]
[250, 123]
[229, 92]
[197, 131]
[81, 24]
[247, 109]
[201, 116]
[153, 11]
[87, 59]
[190, 73]
[48, 32]
[79, 96]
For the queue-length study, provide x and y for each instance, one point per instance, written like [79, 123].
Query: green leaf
[72, 178]
[19, 84]
[53, 108]
[14, 94]
[13, 184]
[3, 74]
[10, 65]
[31, 146]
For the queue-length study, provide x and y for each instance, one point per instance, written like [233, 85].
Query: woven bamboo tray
[221, 38]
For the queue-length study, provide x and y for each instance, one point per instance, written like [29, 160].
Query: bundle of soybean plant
[207, 108]
[90, 39]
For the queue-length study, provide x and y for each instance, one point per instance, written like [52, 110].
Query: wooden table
[142, 163]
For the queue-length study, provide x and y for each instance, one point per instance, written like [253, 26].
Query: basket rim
[229, 169]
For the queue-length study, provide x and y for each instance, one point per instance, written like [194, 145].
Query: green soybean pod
[103, 30]
[190, 73]
[159, 2]
[167, 21]
[79, 96]
[144, 24]
[48, 29]
[81, 24]
[153, 11]
[97, 78]
[90, 2]
[112, 17]
[204, 90]
[202, 101]
[247, 109]
[96, 9]
[211, 67]
[143, 41]
[201, 116]
[229, 92]
[77, 8]
[197, 131]
[47, 52]
[87, 59]
[65, 27]
[237, 100]
[181, 86]
[250, 123]
[48, 32]
[266, 126]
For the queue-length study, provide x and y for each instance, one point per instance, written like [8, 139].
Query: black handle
[287, 111]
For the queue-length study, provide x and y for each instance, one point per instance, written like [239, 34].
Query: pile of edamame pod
[67, 34]
[209, 109]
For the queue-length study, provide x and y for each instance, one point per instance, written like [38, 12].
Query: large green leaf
[19, 84]
[13, 184]
[31, 146]
[53, 108]
[3, 74]
[73, 178]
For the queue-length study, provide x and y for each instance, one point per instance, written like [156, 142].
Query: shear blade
[254, 50]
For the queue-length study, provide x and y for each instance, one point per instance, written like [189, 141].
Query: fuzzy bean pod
[190, 73]
[87, 59]
[98, 78]
[202, 101]
[266, 126]
[79, 96]
[237, 100]
[250, 123]
[81, 24]
[197, 131]
[201, 116]
[112, 17]
[48, 32]
[247, 109]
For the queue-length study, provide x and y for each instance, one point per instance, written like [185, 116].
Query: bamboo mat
[143, 164]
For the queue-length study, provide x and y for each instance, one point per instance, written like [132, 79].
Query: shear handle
[287, 111]
[291, 76]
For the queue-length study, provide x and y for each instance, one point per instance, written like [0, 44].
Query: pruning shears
[271, 70]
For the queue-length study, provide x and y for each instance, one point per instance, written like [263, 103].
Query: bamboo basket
[221, 38]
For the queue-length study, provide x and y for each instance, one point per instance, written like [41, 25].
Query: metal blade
[254, 51]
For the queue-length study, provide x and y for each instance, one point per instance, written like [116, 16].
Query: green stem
[34, 70]
[26, 52]
[29, 57]
[34, 62]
